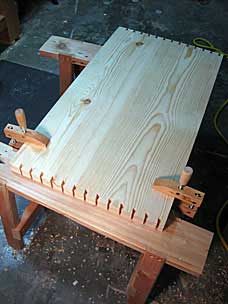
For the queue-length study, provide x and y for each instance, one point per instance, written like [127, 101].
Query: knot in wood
[86, 101]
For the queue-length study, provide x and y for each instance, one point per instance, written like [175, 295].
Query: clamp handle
[21, 119]
[185, 177]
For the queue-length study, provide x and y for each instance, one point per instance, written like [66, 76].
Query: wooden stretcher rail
[181, 244]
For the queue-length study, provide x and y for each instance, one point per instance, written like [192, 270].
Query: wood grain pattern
[6, 153]
[181, 244]
[132, 115]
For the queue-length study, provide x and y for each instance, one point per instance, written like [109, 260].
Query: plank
[2, 23]
[8, 8]
[131, 116]
[6, 153]
[81, 52]
[181, 244]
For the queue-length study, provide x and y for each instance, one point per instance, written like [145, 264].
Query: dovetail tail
[133, 214]
[96, 200]
[158, 223]
[62, 186]
[109, 203]
[20, 168]
[52, 181]
[73, 190]
[30, 173]
[41, 177]
[85, 193]
[145, 218]
[171, 40]
[120, 209]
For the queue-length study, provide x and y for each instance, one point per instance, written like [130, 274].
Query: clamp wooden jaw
[190, 198]
[21, 134]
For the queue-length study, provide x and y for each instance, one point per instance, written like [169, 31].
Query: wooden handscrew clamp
[21, 134]
[190, 199]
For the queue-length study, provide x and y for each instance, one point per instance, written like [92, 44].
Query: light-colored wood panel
[181, 244]
[6, 153]
[147, 97]
[81, 52]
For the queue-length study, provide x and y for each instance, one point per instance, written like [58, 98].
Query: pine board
[148, 97]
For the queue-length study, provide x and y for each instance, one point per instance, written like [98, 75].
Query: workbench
[130, 116]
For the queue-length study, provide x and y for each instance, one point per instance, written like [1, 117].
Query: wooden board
[181, 244]
[8, 9]
[132, 115]
[6, 153]
[81, 52]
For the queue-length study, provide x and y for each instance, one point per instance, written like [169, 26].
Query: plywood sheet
[132, 115]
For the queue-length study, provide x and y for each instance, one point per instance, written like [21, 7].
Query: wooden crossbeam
[68, 52]
[80, 51]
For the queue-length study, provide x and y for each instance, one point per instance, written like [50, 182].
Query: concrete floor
[64, 262]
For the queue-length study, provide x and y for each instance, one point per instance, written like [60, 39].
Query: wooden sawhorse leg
[144, 277]
[65, 72]
[9, 215]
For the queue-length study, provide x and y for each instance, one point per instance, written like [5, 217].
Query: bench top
[131, 116]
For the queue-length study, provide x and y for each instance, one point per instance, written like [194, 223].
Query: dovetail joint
[41, 177]
[96, 200]
[120, 209]
[52, 182]
[30, 173]
[85, 193]
[133, 214]
[62, 186]
[145, 218]
[73, 190]
[20, 168]
[109, 203]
